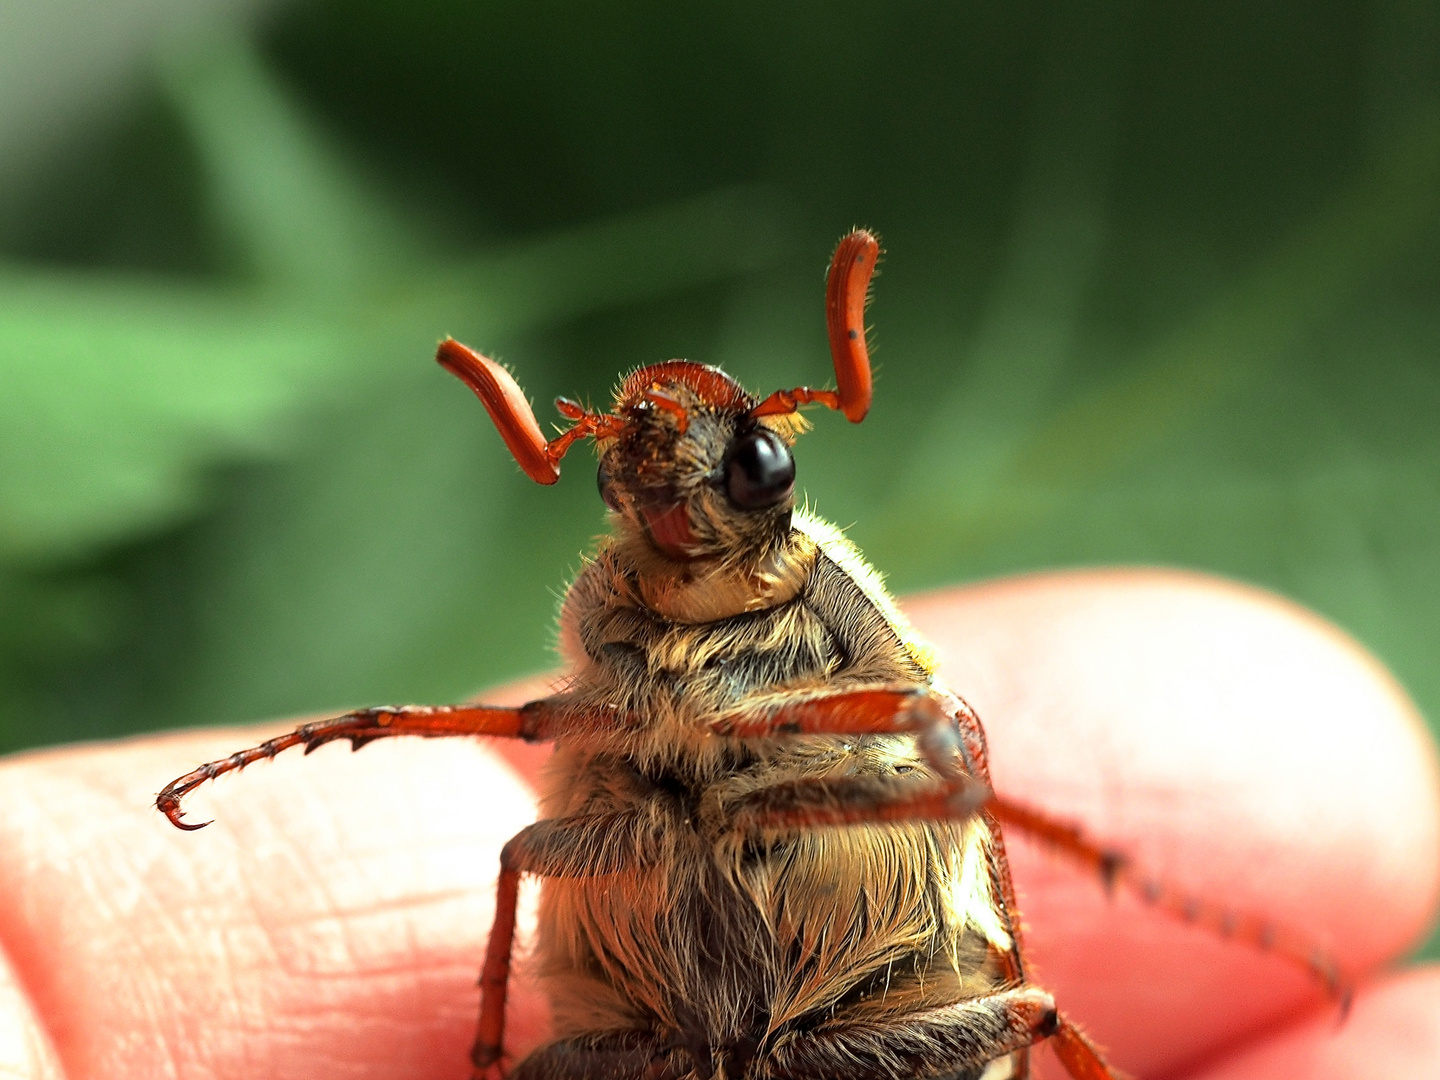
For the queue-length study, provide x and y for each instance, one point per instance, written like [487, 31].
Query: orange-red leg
[1081, 1057]
[945, 726]
[533, 721]
[958, 1039]
[1114, 869]
[868, 710]
[560, 847]
[948, 727]
[857, 800]
[495, 976]
[883, 710]
[954, 792]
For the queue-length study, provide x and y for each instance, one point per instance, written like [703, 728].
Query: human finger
[328, 924]
[1228, 741]
[25, 1049]
[403, 1004]
[1393, 1031]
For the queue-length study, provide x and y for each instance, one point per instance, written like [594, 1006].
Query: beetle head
[692, 469]
[688, 458]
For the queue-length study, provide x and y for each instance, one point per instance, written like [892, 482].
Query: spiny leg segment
[1115, 869]
[362, 727]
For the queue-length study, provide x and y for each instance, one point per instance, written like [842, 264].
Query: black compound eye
[607, 491]
[759, 470]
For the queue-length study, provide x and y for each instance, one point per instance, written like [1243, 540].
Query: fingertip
[1231, 743]
[333, 918]
[1393, 1030]
[26, 1050]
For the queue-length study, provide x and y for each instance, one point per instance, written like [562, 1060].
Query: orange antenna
[847, 289]
[505, 402]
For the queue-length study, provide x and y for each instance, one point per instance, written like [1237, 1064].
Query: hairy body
[722, 941]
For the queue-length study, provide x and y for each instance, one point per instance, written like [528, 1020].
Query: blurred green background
[1163, 286]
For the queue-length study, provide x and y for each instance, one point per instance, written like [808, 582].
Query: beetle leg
[880, 710]
[977, 763]
[584, 846]
[489, 1043]
[952, 726]
[856, 800]
[1081, 1057]
[532, 722]
[1114, 869]
[876, 710]
[942, 733]
[954, 1040]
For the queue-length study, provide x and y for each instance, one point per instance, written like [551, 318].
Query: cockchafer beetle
[770, 849]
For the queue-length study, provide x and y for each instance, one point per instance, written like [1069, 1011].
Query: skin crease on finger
[331, 922]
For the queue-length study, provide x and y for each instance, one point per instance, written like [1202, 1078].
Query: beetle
[769, 846]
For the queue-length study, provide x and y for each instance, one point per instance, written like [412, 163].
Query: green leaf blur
[1162, 286]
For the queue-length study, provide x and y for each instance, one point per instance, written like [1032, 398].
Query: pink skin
[331, 922]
